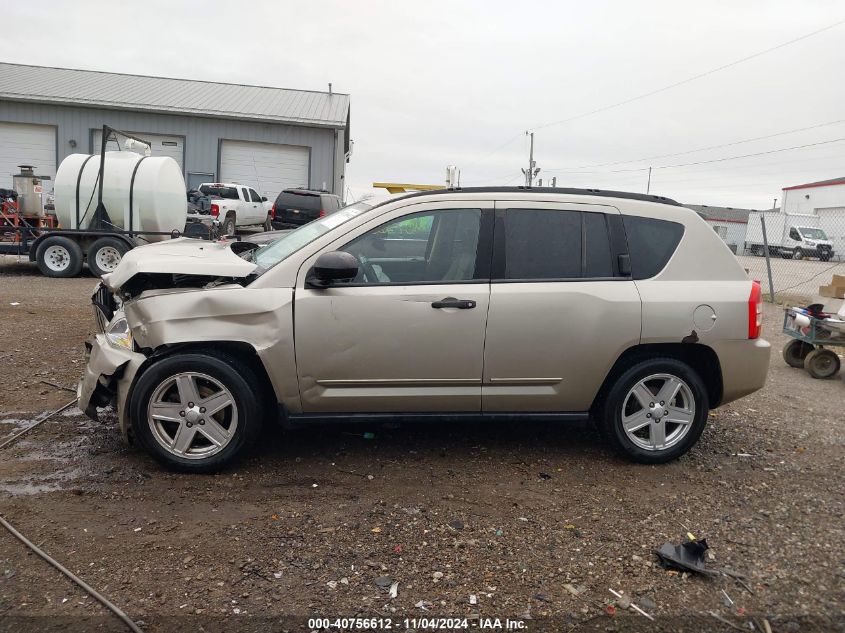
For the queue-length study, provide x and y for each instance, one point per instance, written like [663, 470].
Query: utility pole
[532, 170]
[648, 186]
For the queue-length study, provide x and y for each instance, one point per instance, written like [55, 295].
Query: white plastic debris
[473, 599]
[394, 589]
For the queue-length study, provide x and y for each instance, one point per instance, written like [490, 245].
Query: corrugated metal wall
[202, 135]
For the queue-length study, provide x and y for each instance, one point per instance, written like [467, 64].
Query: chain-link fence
[806, 255]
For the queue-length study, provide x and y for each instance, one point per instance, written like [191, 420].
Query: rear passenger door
[562, 306]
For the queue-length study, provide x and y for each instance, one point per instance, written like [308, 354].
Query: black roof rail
[644, 197]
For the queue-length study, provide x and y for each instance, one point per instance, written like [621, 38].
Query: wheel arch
[700, 357]
[242, 351]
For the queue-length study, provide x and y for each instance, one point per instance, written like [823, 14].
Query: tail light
[322, 214]
[273, 212]
[755, 310]
[215, 210]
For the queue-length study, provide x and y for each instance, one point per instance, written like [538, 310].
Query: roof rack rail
[644, 197]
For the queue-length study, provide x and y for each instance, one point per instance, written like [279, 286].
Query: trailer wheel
[105, 254]
[59, 256]
[795, 351]
[822, 363]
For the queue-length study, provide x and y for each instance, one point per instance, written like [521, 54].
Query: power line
[703, 162]
[690, 79]
[704, 149]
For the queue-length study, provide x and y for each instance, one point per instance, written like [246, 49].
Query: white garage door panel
[24, 144]
[266, 167]
[162, 145]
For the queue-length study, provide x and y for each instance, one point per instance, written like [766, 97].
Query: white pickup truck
[236, 206]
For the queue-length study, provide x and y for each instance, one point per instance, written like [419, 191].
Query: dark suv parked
[295, 207]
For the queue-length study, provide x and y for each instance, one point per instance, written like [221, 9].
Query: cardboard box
[838, 280]
[833, 291]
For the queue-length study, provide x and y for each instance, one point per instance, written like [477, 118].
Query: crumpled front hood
[182, 256]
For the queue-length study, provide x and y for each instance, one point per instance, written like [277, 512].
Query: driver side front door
[407, 335]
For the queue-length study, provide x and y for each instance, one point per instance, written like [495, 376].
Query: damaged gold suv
[495, 303]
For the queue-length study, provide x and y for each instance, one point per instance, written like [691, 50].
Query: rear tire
[105, 254]
[229, 225]
[795, 351]
[59, 256]
[822, 363]
[639, 427]
[268, 223]
[170, 420]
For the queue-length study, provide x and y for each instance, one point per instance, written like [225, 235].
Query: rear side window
[291, 200]
[229, 193]
[253, 195]
[651, 243]
[557, 244]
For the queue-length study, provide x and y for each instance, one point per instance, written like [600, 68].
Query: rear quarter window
[651, 243]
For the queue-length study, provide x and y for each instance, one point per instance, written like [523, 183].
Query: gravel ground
[536, 522]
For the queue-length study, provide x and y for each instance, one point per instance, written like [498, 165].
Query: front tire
[798, 254]
[656, 411]
[59, 256]
[196, 412]
[105, 254]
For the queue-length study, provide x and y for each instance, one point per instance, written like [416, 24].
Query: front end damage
[108, 376]
[185, 295]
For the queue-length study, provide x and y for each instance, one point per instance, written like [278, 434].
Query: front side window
[428, 247]
[793, 233]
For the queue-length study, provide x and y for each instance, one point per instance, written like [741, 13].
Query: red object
[755, 310]
[273, 212]
[820, 183]
[397, 549]
[322, 214]
[215, 210]
[611, 610]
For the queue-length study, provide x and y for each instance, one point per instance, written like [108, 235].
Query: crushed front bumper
[108, 376]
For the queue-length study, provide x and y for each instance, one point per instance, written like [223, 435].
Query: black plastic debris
[688, 556]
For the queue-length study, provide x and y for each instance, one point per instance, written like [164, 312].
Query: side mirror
[263, 198]
[330, 268]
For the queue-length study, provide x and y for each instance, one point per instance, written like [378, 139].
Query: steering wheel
[367, 269]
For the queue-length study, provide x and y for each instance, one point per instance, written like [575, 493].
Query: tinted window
[434, 247]
[254, 196]
[292, 200]
[542, 244]
[651, 243]
[597, 257]
[229, 193]
[793, 233]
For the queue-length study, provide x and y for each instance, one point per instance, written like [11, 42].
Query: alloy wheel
[658, 412]
[192, 415]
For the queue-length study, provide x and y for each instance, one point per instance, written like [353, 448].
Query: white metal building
[729, 223]
[825, 198]
[267, 138]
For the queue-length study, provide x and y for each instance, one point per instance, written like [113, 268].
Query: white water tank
[157, 192]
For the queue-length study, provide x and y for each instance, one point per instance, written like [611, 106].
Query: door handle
[451, 302]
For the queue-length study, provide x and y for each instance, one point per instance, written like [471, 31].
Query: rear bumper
[744, 364]
[108, 376]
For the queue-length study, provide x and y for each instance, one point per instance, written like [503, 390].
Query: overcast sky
[437, 83]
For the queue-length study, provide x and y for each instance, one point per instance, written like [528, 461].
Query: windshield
[813, 234]
[278, 250]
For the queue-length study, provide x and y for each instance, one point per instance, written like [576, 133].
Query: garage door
[266, 167]
[23, 144]
[173, 146]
